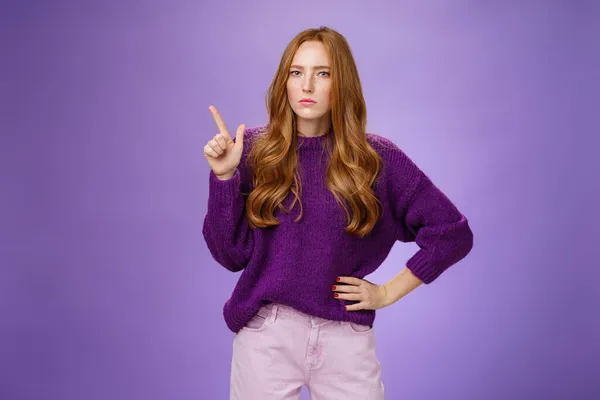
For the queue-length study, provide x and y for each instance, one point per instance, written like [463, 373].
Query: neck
[313, 128]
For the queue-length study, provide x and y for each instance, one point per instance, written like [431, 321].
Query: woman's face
[310, 78]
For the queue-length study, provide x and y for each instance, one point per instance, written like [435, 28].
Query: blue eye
[322, 72]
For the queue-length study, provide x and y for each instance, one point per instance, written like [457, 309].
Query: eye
[292, 73]
[325, 72]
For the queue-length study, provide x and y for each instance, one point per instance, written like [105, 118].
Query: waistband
[273, 311]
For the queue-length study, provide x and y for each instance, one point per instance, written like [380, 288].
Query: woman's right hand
[222, 153]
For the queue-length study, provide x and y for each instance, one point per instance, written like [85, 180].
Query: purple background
[107, 289]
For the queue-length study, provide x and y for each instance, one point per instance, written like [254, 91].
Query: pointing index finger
[219, 121]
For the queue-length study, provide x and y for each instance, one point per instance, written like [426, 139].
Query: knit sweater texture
[296, 263]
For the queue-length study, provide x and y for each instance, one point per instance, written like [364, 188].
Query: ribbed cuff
[224, 190]
[420, 265]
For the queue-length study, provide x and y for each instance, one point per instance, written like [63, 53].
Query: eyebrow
[316, 66]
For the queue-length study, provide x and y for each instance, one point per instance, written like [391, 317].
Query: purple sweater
[296, 263]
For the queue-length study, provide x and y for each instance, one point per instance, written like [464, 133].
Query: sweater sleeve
[226, 230]
[425, 215]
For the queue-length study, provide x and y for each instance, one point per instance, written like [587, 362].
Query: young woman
[307, 206]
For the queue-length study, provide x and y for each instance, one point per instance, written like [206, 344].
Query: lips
[307, 101]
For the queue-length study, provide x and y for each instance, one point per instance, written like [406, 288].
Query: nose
[307, 85]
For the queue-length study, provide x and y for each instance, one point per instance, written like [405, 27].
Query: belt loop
[273, 315]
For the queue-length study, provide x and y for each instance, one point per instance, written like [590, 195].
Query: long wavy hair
[354, 164]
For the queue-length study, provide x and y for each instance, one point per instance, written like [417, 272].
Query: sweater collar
[313, 142]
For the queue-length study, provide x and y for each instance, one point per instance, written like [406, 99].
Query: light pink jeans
[281, 349]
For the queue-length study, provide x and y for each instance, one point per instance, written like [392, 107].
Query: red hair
[354, 164]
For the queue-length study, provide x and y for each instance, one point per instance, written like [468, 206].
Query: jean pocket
[257, 323]
[359, 329]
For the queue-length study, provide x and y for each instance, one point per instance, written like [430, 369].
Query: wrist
[225, 177]
[388, 299]
[400, 285]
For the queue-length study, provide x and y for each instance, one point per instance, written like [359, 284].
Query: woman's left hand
[370, 296]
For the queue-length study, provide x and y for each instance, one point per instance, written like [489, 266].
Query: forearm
[226, 229]
[401, 285]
